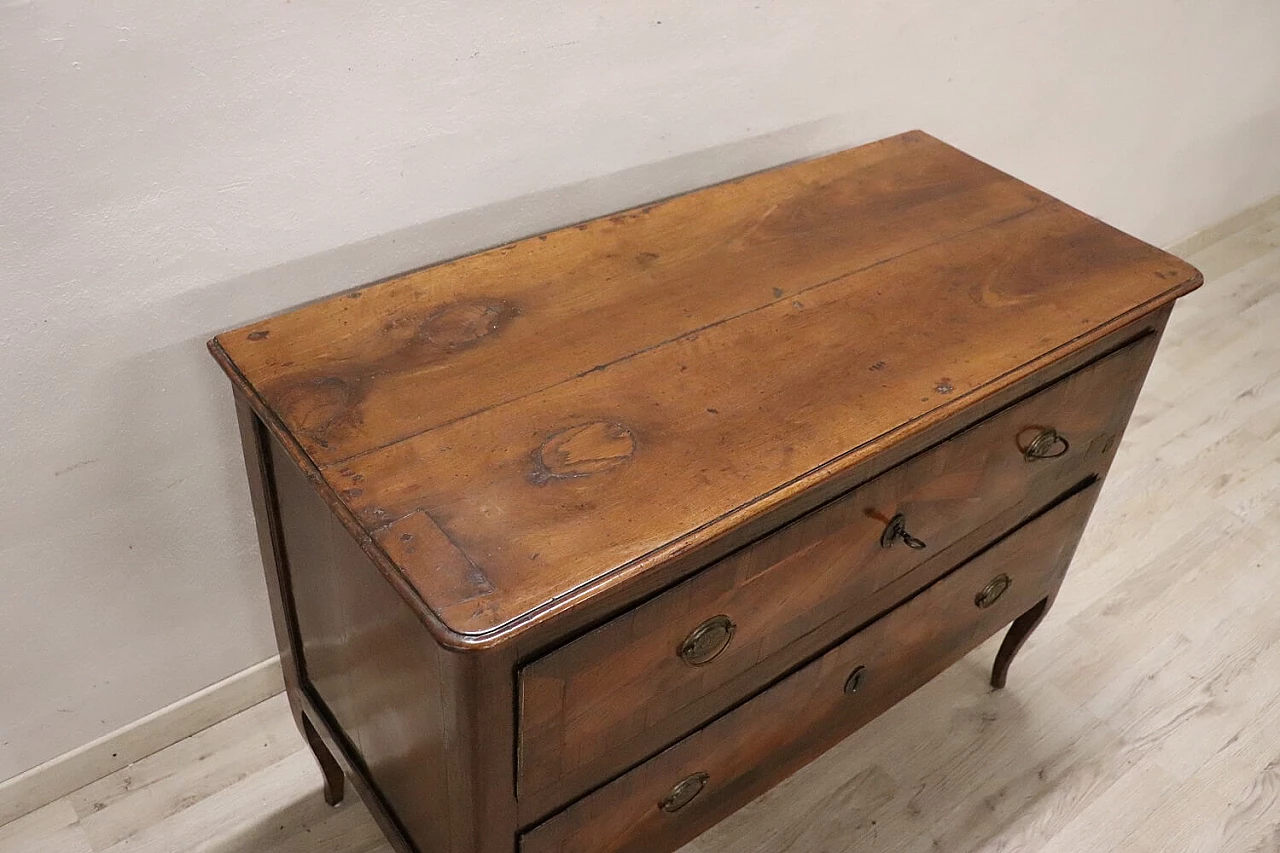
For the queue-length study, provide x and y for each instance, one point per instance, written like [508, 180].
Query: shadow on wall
[143, 528]
[260, 294]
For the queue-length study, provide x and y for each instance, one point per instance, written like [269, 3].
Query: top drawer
[612, 696]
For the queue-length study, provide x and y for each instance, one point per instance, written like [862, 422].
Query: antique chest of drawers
[579, 544]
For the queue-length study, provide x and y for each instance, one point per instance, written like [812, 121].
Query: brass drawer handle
[855, 679]
[705, 643]
[992, 591]
[897, 529]
[684, 793]
[1049, 444]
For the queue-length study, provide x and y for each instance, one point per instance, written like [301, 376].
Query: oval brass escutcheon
[1048, 444]
[991, 593]
[855, 679]
[684, 792]
[705, 643]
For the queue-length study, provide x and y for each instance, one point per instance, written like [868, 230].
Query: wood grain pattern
[745, 751]
[1173, 587]
[438, 507]
[406, 706]
[268, 471]
[578, 705]
[752, 412]
[813, 317]
[461, 333]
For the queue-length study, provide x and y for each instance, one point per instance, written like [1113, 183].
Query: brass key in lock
[897, 529]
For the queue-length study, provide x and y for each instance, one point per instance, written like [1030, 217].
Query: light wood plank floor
[1143, 716]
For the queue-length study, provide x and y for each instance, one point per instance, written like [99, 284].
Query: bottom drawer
[686, 789]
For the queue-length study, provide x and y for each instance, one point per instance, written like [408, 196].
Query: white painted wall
[169, 168]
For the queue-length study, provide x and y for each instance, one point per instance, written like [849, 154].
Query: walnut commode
[579, 544]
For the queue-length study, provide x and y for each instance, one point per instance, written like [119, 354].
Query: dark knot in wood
[462, 325]
[582, 450]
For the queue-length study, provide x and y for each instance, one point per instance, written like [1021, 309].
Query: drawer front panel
[607, 699]
[689, 787]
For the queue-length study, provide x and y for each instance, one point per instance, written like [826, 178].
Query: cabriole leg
[333, 780]
[1018, 633]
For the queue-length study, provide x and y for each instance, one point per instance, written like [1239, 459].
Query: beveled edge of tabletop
[695, 539]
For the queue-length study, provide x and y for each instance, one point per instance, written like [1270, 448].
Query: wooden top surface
[518, 427]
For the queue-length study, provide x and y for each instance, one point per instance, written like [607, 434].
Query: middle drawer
[629, 687]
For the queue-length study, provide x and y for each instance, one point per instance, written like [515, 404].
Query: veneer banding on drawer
[741, 753]
[537, 806]
[609, 697]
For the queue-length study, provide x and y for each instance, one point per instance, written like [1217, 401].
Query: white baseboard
[1225, 228]
[60, 776]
